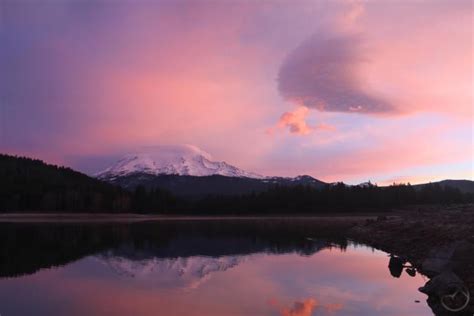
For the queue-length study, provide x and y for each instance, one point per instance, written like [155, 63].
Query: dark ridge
[28, 185]
[465, 186]
[193, 186]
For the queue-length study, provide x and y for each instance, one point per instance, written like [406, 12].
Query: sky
[340, 90]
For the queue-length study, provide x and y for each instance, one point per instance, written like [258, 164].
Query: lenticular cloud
[324, 73]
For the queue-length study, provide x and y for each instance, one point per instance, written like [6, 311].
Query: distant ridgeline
[28, 185]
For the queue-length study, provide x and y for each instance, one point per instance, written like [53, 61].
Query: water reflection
[197, 268]
[186, 273]
[26, 248]
[397, 264]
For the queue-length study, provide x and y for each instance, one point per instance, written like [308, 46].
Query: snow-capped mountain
[186, 170]
[185, 160]
[179, 272]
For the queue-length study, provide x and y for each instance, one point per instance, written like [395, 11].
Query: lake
[199, 267]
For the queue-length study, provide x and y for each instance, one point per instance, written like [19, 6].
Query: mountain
[186, 273]
[189, 171]
[465, 186]
[186, 170]
[185, 160]
[209, 185]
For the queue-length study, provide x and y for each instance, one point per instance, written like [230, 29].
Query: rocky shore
[436, 241]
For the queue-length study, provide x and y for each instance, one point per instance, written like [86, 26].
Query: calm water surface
[197, 268]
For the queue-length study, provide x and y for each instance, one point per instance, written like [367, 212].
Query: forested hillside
[28, 185]
[31, 185]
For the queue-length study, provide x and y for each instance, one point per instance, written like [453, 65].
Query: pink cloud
[296, 123]
[332, 308]
[304, 308]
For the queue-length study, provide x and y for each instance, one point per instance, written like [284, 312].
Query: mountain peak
[181, 272]
[186, 160]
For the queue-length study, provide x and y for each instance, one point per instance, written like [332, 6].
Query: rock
[411, 271]
[441, 284]
[395, 266]
[440, 290]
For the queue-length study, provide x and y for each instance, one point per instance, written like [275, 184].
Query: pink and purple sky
[340, 90]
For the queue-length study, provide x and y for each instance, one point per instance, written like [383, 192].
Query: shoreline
[134, 217]
[437, 243]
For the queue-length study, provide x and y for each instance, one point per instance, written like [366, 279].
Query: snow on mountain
[179, 272]
[179, 160]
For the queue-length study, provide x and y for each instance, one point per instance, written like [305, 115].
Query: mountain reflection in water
[242, 267]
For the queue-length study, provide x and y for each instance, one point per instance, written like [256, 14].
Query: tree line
[331, 198]
[29, 185]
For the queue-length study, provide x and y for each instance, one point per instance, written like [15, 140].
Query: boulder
[442, 284]
[440, 291]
